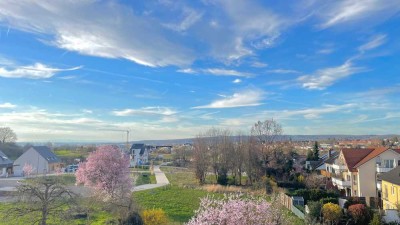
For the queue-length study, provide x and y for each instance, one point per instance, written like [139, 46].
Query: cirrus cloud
[239, 99]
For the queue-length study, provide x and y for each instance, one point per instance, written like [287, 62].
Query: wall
[31, 157]
[393, 199]
[367, 179]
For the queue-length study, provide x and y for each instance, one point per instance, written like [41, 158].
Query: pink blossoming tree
[107, 172]
[235, 209]
[27, 169]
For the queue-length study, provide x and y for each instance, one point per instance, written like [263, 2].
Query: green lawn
[178, 203]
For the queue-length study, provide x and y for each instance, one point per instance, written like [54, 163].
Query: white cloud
[226, 72]
[35, 71]
[324, 78]
[375, 42]
[7, 105]
[237, 81]
[97, 28]
[283, 71]
[187, 70]
[240, 99]
[191, 16]
[340, 12]
[163, 111]
[259, 64]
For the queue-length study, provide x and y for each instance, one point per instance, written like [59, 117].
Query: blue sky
[81, 70]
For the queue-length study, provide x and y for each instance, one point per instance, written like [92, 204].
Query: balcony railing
[383, 169]
[339, 167]
[341, 183]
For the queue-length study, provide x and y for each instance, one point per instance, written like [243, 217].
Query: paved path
[162, 180]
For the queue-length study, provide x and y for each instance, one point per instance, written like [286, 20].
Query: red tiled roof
[354, 155]
[373, 154]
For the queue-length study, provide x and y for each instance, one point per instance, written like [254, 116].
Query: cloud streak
[162, 111]
[7, 105]
[35, 71]
[239, 99]
[326, 77]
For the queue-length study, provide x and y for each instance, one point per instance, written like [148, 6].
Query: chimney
[329, 153]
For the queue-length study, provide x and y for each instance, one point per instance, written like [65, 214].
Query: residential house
[391, 194]
[6, 165]
[41, 158]
[139, 154]
[355, 172]
[342, 173]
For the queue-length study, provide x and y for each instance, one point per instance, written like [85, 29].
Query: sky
[88, 70]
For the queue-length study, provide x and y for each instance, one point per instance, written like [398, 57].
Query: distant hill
[190, 140]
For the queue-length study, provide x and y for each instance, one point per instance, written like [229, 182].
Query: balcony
[341, 183]
[339, 167]
[383, 169]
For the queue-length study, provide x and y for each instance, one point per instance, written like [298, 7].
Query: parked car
[71, 168]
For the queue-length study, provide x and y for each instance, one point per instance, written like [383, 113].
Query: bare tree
[266, 133]
[201, 158]
[42, 197]
[7, 135]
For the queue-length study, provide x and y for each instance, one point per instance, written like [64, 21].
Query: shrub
[376, 220]
[235, 209]
[352, 201]
[360, 214]
[331, 200]
[314, 211]
[332, 213]
[154, 217]
[314, 194]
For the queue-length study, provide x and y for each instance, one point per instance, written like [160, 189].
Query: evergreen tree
[316, 151]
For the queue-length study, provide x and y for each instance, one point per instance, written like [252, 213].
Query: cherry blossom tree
[107, 172]
[27, 169]
[236, 209]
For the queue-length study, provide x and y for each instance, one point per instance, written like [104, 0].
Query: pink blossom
[27, 169]
[234, 209]
[106, 171]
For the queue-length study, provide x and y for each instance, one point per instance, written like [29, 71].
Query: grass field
[145, 178]
[179, 200]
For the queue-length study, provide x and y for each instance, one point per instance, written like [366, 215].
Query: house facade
[41, 158]
[139, 155]
[6, 165]
[356, 172]
[391, 194]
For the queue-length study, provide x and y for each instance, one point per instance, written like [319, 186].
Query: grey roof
[392, 176]
[142, 148]
[4, 160]
[47, 154]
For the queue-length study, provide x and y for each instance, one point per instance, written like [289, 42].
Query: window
[348, 177]
[392, 190]
[388, 163]
[385, 192]
[355, 192]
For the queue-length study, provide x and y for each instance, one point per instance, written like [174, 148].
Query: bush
[376, 220]
[360, 214]
[314, 194]
[332, 213]
[352, 201]
[154, 217]
[327, 200]
[314, 211]
[294, 185]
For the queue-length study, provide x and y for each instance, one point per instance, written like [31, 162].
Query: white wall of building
[32, 157]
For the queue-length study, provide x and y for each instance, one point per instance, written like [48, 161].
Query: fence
[287, 201]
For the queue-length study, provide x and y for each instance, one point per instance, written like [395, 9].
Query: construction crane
[127, 135]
